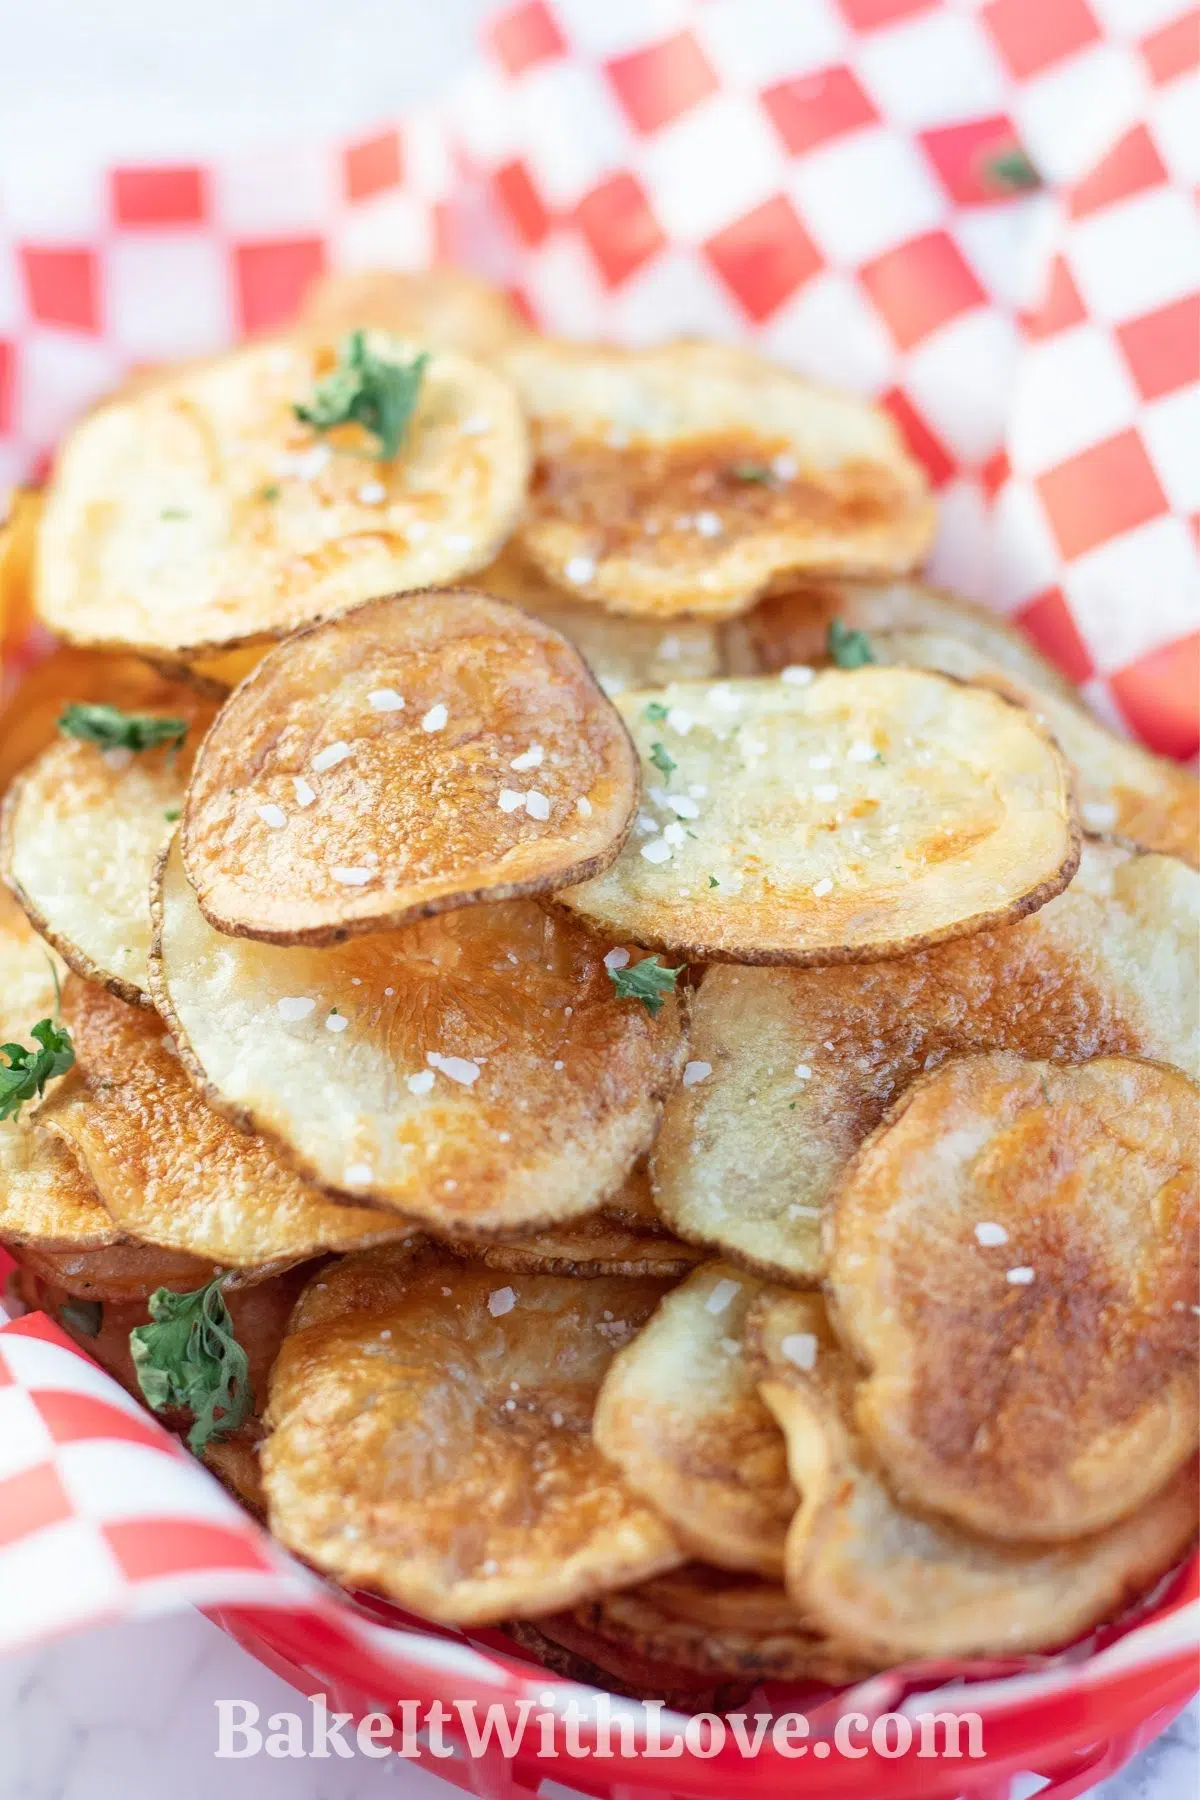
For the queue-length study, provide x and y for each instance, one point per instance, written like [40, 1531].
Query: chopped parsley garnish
[368, 390]
[173, 512]
[27, 1071]
[188, 1356]
[848, 649]
[95, 723]
[83, 1316]
[656, 712]
[270, 492]
[170, 814]
[762, 473]
[661, 760]
[647, 981]
[1013, 171]
[713, 882]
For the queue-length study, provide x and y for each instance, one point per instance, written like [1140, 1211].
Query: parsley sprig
[188, 1356]
[662, 759]
[366, 389]
[848, 649]
[94, 722]
[1012, 171]
[762, 473]
[27, 1072]
[647, 981]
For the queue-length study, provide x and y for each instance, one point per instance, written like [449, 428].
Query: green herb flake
[368, 390]
[647, 981]
[762, 473]
[1012, 171]
[848, 649]
[713, 882]
[83, 1316]
[661, 760]
[270, 492]
[95, 723]
[170, 814]
[174, 512]
[188, 1356]
[655, 712]
[27, 1071]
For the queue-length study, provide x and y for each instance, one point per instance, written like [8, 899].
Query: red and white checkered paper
[812, 177]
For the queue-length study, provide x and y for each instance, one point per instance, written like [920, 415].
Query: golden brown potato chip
[687, 478]
[29, 719]
[445, 308]
[803, 1064]
[120, 1272]
[80, 832]
[214, 676]
[205, 513]
[890, 1585]
[621, 652]
[680, 1416]
[431, 1437]
[416, 754]
[573, 1650]
[1000, 1243]
[599, 1245]
[477, 1071]
[18, 538]
[856, 815]
[168, 1169]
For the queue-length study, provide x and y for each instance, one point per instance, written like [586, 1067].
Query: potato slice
[488, 1078]
[189, 1181]
[416, 754]
[18, 537]
[214, 676]
[680, 1416]
[81, 829]
[29, 719]
[573, 1650]
[444, 307]
[999, 1242]
[805, 1063]
[687, 478]
[204, 513]
[892, 1586]
[431, 1437]
[599, 1245]
[621, 652]
[857, 815]
[118, 1272]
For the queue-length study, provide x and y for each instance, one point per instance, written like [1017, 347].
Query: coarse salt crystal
[435, 718]
[824, 791]
[1019, 1277]
[679, 720]
[658, 851]
[475, 424]
[372, 493]
[421, 1082]
[386, 700]
[990, 1235]
[331, 756]
[501, 1301]
[694, 1072]
[358, 1172]
[352, 877]
[580, 568]
[802, 1072]
[583, 807]
[336, 1022]
[305, 465]
[537, 805]
[861, 753]
[510, 800]
[674, 833]
[272, 815]
[1099, 814]
[458, 1068]
[820, 762]
[800, 1348]
[708, 524]
[686, 809]
[305, 795]
[822, 887]
[528, 759]
[722, 1293]
[725, 700]
[117, 756]
[458, 542]
[783, 467]
[616, 959]
[797, 675]
[294, 1008]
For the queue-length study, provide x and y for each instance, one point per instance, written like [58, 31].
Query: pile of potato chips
[623, 1068]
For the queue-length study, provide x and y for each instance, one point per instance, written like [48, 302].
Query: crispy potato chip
[445, 308]
[190, 1181]
[81, 829]
[687, 478]
[999, 1243]
[214, 676]
[416, 754]
[487, 1078]
[805, 1063]
[858, 815]
[205, 513]
[431, 1437]
[599, 1245]
[680, 1416]
[120, 1272]
[620, 651]
[1121, 789]
[571, 1649]
[18, 538]
[892, 1586]
[29, 719]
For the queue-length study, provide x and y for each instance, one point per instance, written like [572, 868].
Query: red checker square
[659, 84]
[272, 277]
[63, 286]
[869, 15]
[1174, 49]
[8, 369]
[619, 228]
[764, 257]
[1163, 348]
[30, 1501]
[995, 473]
[962, 155]
[920, 286]
[445, 231]
[525, 35]
[813, 109]
[78, 1418]
[1131, 166]
[1032, 35]
[372, 165]
[150, 1548]
[1160, 697]
[1100, 493]
[174, 195]
[1047, 620]
[1061, 307]
[521, 203]
[919, 437]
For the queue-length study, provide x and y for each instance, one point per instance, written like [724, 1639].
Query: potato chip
[18, 537]
[1120, 788]
[890, 1585]
[621, 652]
[803, 1064]
[119, 1271]
[680, 1416]
[214, 676]
[599, 1245]
[857, 815]
[576, 1652]
[416, 754]
[29, 719]
[81, 829]
[190, 1181]
[431, 1437]
[687, 478]
[206, 513]
[999, 1242]
[443, 307]
[477, 1071]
